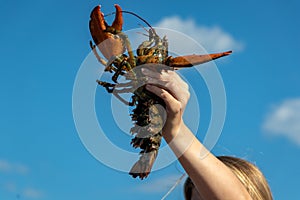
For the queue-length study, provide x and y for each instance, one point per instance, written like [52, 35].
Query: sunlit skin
[212, 179]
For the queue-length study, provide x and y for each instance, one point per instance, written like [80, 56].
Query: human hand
[170, 87]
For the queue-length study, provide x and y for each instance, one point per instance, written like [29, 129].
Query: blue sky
[43, 44]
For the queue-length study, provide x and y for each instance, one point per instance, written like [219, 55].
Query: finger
[173, 106]
[165, 75]
[169, 86]
[155, 81]
[158, 71]
[170, 81]
[161, 78]
[174, 87]
[150, 73]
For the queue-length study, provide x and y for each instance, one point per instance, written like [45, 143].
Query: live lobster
[146, 115]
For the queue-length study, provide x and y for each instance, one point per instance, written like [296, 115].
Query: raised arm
[211, 177]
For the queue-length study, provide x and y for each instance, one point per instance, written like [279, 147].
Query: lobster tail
[149, 120]
[143, 166]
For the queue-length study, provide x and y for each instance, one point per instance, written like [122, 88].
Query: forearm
[211, 177]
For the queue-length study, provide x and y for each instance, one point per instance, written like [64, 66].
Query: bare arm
[211, 177]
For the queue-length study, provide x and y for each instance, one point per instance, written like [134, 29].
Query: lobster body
[147, 116]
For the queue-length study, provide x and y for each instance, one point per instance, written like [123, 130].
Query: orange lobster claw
[106, 37]
[191, 60]
[118, 22]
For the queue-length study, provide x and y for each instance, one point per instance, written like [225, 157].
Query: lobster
[147, 116]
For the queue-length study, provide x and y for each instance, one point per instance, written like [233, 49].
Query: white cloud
[213, 39]
[17, 170]
[10, 187]
[5, 166]
[162, 184]
[27, 192]
[9, 167]
[32, 193]
[284, 119]
[21, 169]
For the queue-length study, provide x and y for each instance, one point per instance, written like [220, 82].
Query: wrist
[171, 131]
[180, 139]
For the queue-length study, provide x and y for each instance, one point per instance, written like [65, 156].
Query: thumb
[173, 106]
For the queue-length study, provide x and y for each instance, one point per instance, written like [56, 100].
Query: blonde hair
[249, 175]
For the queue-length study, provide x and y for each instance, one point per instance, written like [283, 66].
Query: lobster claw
[191, 60]
[106, 37]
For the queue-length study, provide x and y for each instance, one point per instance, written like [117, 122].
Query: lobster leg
[131, 59]
[101, 60]
[108, 86]
[121, 64]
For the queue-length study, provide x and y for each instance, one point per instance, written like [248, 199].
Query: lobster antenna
[142, 34]
[136, 15]
[143, 27]
[176, 183]
[173, 187]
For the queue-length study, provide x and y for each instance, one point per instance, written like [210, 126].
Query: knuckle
[163, 94]
[186, 85]
[160, 76]
[183, 83]
[177, 108]
[172, 73]
[188, 94]
[171, 85]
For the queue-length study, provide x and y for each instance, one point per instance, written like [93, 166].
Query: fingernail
[144, 70]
